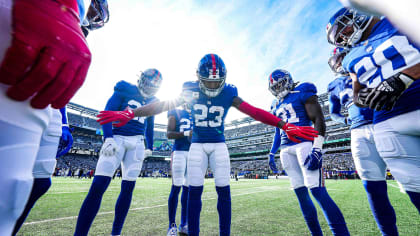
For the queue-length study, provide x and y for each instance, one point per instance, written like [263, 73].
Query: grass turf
[259, 207]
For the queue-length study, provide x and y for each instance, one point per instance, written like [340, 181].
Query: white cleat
[172, 231]
[183, 230]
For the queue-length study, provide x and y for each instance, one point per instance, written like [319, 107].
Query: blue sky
[252, 37]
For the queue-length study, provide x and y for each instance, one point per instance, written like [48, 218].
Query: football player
[44, 59]
[385, 66]
[179, 128]
[210, 99]
[302, 161]
[123, 145]
[369, 165]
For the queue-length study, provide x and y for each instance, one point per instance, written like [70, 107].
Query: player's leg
[131, 167]
[197, 166]
[398, 142]
[372, 169]
[105, 168]
[183, 226]
[291, 166]
[178, 172]
[314, 180]
[44, 165]
[220, 164]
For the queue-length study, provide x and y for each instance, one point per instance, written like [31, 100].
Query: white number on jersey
[185, 125]
[404, 56]
[287, 109]
[201, 119]
[136, 105]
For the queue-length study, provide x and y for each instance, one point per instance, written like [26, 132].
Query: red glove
[305, 132]
[122, 117]
[48, 57]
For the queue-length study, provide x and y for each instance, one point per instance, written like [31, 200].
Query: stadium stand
[248, 143]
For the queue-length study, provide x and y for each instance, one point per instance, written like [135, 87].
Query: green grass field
[259, 207]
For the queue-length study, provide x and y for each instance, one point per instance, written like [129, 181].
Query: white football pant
[199, 158]
[21, 128]
[398, 142]
[292, 159]
[179, 168]
[369, 164]
[130, 155]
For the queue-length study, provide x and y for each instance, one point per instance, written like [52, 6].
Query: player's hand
[148, 153]
[362, 96]
[48, 57]
[66, 141]
[314, 159]
[121, 117]
[305, 132]
[386, 94]
[272, 164]
[109, 148]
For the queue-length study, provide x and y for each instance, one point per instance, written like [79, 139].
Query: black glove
[361, 97]
[388, 91]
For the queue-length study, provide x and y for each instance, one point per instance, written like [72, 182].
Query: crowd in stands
[82, 121]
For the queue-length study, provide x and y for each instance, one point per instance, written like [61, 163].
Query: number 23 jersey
[385, 53]
[209, 112]
[292, 108]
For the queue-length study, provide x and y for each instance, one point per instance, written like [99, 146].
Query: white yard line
[144, 208]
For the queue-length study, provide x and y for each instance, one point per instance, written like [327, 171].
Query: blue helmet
[280, 83]
[97, 15]
[211, 75]
[337, 56]
[346, 27]
[149, 82]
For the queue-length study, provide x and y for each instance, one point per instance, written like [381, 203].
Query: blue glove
[314, 160]
[272, 164]
[66, 141]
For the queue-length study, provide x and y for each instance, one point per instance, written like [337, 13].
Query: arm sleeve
[276, 142]
[335, 108]
[150, 124]
[113, 104]
[259, 114]
[63, 112]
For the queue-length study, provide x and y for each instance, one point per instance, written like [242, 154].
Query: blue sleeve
[276, 142]
[113, 104]
[307, 90]
[150, 124]
[335, 108]
[63, 112]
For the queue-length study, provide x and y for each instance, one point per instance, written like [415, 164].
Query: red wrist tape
[259, 114]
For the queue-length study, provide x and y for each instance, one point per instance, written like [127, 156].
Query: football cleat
[337, 56]
[172, 231]
[346, 27]
[149, 82]
[211, 75]
[183, 230]
[280, 83]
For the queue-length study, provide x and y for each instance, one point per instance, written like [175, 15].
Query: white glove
[147, 153]
[109, 148]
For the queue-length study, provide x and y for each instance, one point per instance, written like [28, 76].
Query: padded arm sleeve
[259, 114]
[276, 142]
[113, 104]
[335, 108]
[150, 123]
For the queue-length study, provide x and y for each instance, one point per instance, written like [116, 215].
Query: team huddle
[376, 67]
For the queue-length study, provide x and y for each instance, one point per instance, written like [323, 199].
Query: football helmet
[149, 82]
[211, 75]
[346, 27]
[280, 83]
[97, 15]
[337, 56]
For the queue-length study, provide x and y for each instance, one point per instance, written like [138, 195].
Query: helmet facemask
[281, 87]
[97, 15]
[213, 85]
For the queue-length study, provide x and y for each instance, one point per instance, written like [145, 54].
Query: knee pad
[44, 168]
[405, 171]
[106, 166]
[131, 173]
[221, 181]
[15, 197]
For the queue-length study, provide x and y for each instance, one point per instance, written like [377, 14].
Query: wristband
[187, 133]
[407, 80]
[318, 142]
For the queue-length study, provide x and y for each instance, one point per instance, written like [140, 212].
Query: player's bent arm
[156, 108]
[150, 125]
[171, 133]
[357, 88]
[335, 110]
[314, 112]
[276, 142]
[413, 72]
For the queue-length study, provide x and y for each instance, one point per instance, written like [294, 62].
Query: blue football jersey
[292, 108]
[209, 113]
[385, 53]
[184, 122]
[125, 96]
[341, 94]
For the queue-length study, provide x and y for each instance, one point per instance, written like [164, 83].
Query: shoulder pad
[306, 87]
[231, 87]
[189, 85]
[126, 88]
